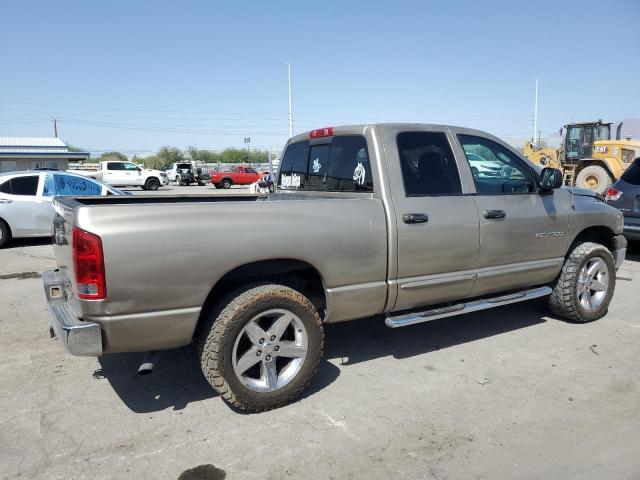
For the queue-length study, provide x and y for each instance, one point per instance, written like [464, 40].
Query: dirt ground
[508, 393]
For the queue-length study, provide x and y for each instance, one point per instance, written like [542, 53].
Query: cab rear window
[340, 165]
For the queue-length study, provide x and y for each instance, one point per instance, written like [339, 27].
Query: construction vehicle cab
[578, 141]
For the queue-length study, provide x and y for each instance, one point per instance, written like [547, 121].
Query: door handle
[494, 214]
[415, 218]
[5, 200]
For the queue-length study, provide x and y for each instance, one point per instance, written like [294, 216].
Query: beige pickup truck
[406, 222]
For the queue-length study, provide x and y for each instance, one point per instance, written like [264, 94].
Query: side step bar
[460, 308]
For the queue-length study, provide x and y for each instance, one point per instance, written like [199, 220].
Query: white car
[128, 174]
[25, 200]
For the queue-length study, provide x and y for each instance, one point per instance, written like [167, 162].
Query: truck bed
[163, 255]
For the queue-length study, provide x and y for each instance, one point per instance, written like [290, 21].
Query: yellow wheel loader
[588, 157]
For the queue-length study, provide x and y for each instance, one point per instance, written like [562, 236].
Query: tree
[169, 155]
[204, 156]
[113, 156]
[154, 162]
[235, 155]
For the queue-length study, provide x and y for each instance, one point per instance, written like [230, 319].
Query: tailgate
[63, 222]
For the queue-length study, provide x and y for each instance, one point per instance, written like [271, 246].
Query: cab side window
[115, 166]
[496, 170]
[427, 163]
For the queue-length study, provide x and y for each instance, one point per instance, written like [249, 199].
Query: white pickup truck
[128, 174]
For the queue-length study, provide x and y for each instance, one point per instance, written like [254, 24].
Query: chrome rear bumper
[78, 337]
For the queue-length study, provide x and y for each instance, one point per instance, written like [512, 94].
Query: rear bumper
[619, 244]
[78, 337]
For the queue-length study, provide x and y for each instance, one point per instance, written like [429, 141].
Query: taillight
[88, 263]
[321, 132]
[612, 194]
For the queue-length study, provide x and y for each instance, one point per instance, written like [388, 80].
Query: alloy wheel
[270, 350]
[593, 283]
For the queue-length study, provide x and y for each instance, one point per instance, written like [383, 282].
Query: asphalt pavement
[501, 394]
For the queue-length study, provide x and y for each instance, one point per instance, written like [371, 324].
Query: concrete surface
[509, 393]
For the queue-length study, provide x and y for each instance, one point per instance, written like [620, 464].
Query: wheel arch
[10, 236]
[2, 220]
[597, 234]
[293, 273]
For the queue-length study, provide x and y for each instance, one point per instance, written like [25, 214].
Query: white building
[30, 153]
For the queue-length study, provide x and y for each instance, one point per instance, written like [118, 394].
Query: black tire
[216, 185]
[564, 301]
[152, 184]
[594, 177]
[226, 183]
[226, 322]
[5, 234]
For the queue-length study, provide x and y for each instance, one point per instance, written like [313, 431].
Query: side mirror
[550, 179]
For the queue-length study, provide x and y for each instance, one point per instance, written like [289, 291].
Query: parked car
[128, 174]
[238, 175]
[481, 167]
[25, 200]
[625, 196]
[369, 220]
[186, 173]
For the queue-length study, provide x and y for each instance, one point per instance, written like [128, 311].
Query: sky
[136, 75]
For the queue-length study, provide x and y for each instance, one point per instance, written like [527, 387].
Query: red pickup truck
[236, 176]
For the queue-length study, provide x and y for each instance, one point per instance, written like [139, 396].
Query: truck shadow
[29, 242]
[362, 340]
[633, 254]
[178, 381]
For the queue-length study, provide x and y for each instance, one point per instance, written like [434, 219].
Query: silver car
[25, 200]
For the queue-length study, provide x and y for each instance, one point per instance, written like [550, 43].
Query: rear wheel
[5, 234]
[226, 183]
[594, 177]
[261, 347]
[585, 285]
[152, 184]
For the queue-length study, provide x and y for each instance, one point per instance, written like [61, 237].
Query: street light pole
[247, 140]
[290, 110]
[535, 115]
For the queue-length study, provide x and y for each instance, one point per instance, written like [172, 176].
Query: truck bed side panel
[162, 260]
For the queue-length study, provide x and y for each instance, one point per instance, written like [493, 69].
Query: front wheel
[152, 184]
[594, 177]
[585, 285]
[261, 347]
[226, 183]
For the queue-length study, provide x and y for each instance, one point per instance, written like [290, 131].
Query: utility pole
[535, 115]
[290, 111]
[55, 127]
[247, 140]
